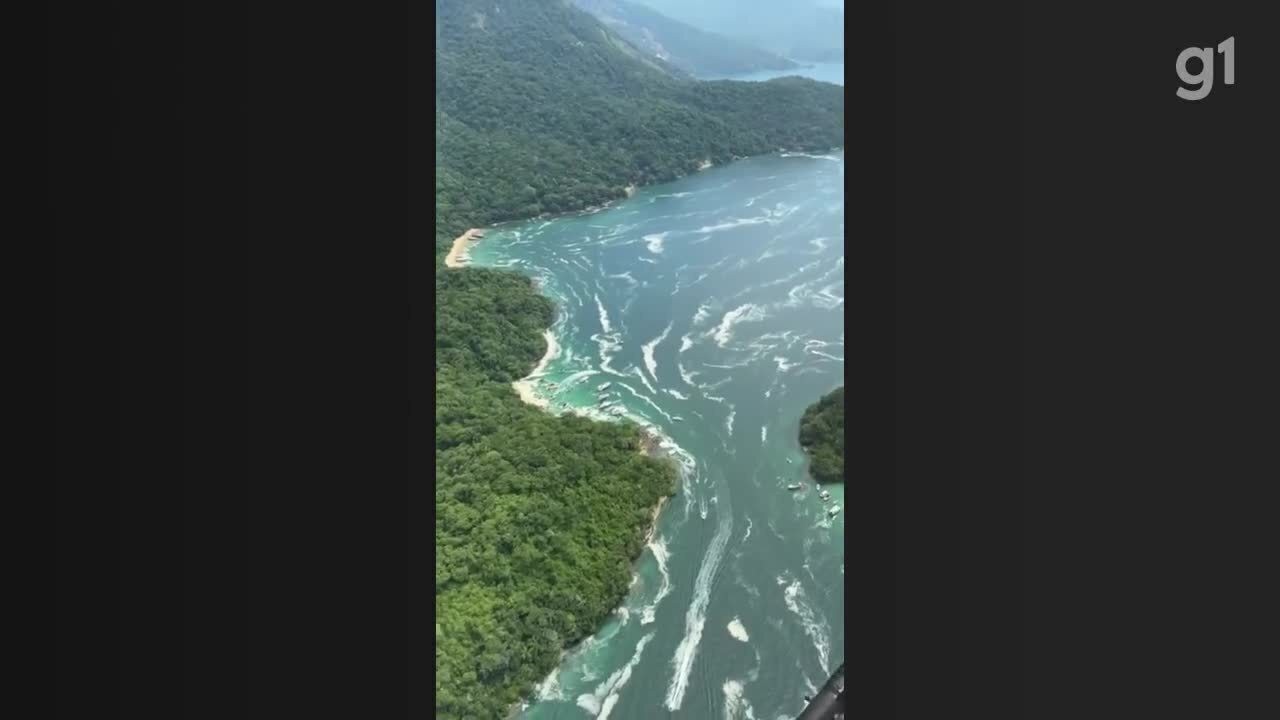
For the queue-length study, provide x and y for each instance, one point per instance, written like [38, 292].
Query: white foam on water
[636, 371]
[743, 313]
[728, 422]
[647, 349]
[685, 342]
[605, 327]
[719, 383]
[606, 365]
[696, 616]
[601, 702]
[764, 434]
[783, 363]
[747, 534]
[703, 314]
[651, 261]
[734, 223]
[677, 394]
[687, 376]
[814, 626]
[549, 688]
[736, 707]
[658, 547]
[625, 276]
[738, 631]
[826, 299]
[791, 276]
[654, 242]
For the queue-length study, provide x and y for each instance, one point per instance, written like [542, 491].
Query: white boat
[835, 509]
[677, 418]
[795, 486]
[824, 495]
[604, 386]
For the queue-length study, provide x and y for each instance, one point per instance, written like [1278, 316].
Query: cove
[711, 311]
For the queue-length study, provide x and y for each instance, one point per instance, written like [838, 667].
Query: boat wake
[814, 626]
[600, 703]
[647, 349]
[696, 616]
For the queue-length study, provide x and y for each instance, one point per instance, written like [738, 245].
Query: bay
[713, 306]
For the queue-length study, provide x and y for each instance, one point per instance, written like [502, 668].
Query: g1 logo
[1204, 78]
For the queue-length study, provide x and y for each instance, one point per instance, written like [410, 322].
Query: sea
[714, 308]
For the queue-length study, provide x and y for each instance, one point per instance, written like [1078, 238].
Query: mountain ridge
[693, 50]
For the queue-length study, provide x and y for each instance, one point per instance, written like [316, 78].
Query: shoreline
[460, 254]
[526, 387]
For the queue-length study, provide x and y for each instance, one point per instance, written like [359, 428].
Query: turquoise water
[826, 72]
[714, 307]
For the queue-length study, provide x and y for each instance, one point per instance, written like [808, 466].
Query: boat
[835, 510]
[824, 495]
[604, 386]
[795, 486]
[677, 418]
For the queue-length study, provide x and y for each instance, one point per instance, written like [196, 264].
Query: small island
[822, 436]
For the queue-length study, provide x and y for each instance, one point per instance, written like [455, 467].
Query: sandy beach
[458, 254]
[526, 385]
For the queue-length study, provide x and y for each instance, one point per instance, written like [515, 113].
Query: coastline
[526, 387]
[459, 254]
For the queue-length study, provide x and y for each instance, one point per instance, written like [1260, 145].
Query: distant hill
[694, 51]
[805, 30]
[822, 435]
[542, 109]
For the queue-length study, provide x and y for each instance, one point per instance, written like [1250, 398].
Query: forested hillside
[822, 434]
[540, 109]
[694, 51]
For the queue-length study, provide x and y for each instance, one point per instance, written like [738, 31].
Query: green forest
[541, 110]
[822, 435]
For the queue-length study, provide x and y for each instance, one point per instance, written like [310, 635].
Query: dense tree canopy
[822, 435]
[538, 518]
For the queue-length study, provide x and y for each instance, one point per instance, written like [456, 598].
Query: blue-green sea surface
[714, 308]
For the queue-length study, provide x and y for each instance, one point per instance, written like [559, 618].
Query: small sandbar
[460, 254]
[527, 387]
